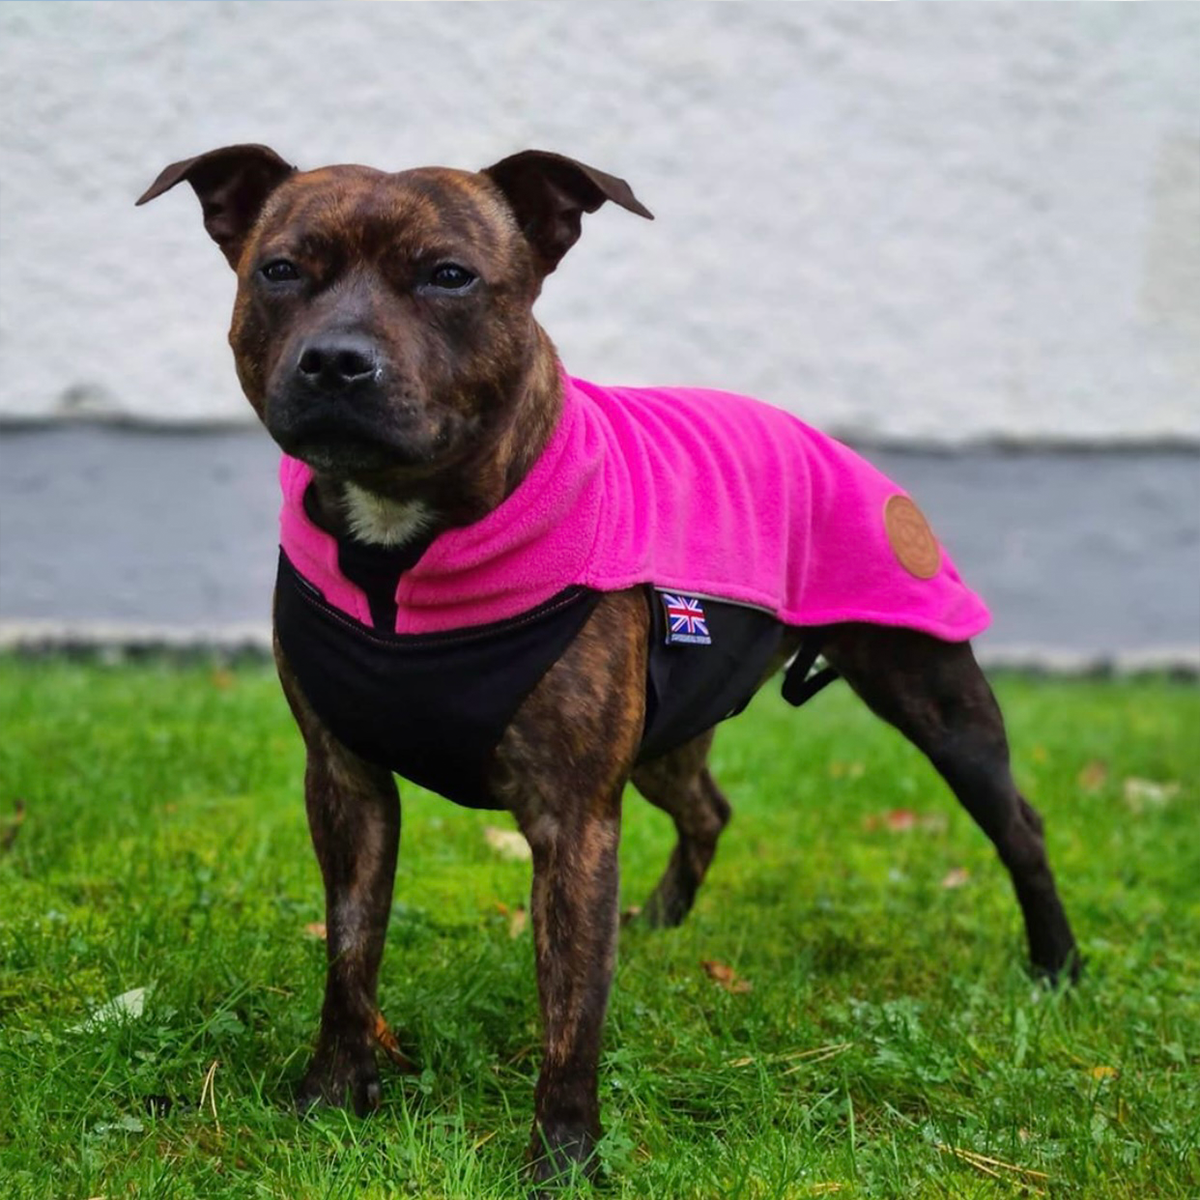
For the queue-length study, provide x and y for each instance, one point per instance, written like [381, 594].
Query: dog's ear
[550, 193]
[232, 184]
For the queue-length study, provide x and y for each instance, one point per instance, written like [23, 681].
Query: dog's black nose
[337, 363]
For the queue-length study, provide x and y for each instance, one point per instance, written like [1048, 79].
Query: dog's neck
[399, 514]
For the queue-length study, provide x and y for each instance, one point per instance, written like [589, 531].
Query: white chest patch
[379, 521]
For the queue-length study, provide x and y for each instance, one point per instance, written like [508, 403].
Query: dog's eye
[279, 270]
[451, 277]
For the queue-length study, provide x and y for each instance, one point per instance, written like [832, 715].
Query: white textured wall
[945, 221]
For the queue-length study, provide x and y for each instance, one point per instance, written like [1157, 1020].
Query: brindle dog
[413, 292]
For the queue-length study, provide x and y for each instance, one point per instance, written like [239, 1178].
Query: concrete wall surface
[914, 222]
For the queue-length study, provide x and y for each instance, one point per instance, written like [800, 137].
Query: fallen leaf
[389, 1044]
[726, 976]
[956, 878]
[719, 971]
[517, 922]
[1104, 1072]
[316, 929]
[222, 679]
[11, 827]
[1141, 794]
[902, 820]
[507, 843]
[128, 1006]
[1094, 775]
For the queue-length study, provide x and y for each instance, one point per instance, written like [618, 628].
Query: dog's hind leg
[354, 817]
[936, 695]
[680, 784]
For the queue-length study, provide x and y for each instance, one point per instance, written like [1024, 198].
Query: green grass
[890, 1021]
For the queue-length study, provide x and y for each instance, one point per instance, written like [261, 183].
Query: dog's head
[383, 321]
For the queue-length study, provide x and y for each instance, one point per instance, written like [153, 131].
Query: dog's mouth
[345, 447]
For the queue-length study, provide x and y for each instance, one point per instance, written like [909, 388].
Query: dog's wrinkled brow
[422, 212]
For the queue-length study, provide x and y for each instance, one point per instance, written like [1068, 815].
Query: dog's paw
[666, 907]
[1060, 972]
[561, 1155]
[347, 1077]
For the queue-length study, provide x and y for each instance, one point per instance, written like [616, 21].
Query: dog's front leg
[561, 767]
[574, 906]
[354, 817]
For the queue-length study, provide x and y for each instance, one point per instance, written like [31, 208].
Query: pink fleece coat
[696, 491]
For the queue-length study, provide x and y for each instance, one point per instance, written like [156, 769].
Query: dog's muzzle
[333, 409]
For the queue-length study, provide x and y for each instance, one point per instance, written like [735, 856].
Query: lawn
[864, 1027]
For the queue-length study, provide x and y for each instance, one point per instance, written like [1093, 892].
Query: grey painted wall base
[119, 535]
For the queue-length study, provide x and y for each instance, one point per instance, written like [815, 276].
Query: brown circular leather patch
[911, 538]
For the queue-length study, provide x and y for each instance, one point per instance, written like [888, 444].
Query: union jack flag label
[686, 622]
